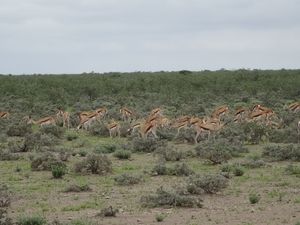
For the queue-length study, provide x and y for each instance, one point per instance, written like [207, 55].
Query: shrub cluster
[77, 188]
[148, 145]
[168, 198]
[45, 161]
[19, 130]
[169, 154]
[8, 155]
[128, 179]
[281, 152]
[182, 169]
[58, 171]
[122, 154]
[95, 163]
[209, 183]
[37, 140]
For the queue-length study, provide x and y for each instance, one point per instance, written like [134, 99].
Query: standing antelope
[127, 114]
[113, 127]
[147, 128]
[206, 128]
[65, 116]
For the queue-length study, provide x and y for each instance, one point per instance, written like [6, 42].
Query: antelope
[180, 125]
[206, 128]
[220, 111]
[4, 114]
[146, 128]
[65, 116]
[43, 121]
[113, 127]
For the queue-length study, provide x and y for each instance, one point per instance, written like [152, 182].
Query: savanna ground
[40, 194]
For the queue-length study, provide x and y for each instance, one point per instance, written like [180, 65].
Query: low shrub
[170, 154]
[19, 130]
[105, 149]
[34, 220]
[238, 171]
[128, 179]
[71, 136]
[108, 212]
[122, 154]
[148, 145]
[168, 198]
[56, 131]
[182, 169]
[210, 183]
[292, 169]
[160, 217]
[58, 171]
[281, 152]
[45, 161]
[253, 160]
[95, 163]
[8, 155]
[254, 198]
[77, 188]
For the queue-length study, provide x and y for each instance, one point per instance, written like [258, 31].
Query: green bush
[45, 161]
[34, 220]
[168, 198]
[105, 149]
[148, 145]
[58, 171]
[122, 154]
[182, 169]
[128, 179]
[56, 131]
[160, 217]
[210, 183]
[217, 152]
[170, 154]
[254, 198]
[77, 188]
[238, 171]
[18, 130]
[71, 136]
[95, 163]
[281, 152]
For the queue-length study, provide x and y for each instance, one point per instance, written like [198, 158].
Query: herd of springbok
[209, 124]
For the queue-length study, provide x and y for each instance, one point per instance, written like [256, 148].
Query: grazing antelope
[220, 111]
[181, 125]
[157, 111]
[24, 119]
[101, 111]
[4, 114]
[146, 128]
[127, 114]
[134, 126]
[65, 116]
[112, 128]
[242, 112]
[85, 123]
[43, 121]
[293, 107]
[206, 128]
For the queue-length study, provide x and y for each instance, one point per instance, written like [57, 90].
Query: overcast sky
[76, 36]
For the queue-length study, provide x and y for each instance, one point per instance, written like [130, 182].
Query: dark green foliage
[255, 131]
[105, 149]
[128, 179]
[53, 130]
[77, 188]
[281, 152]
[58, 171]
[45, 161]
[8, 155]
[253, 160]
[94, 163]
[168, 198]
[33, 220]
[254, 198]
[182, 169]
[148, 145]
[238, 171]
[170, 154]
[122, 154]
[37, 141]
[209, 183]
[82, 152]
[19, 130]
[286, 135]
[71, 136]
[217, 152]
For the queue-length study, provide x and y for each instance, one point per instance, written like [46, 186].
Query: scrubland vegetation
[65, 176]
